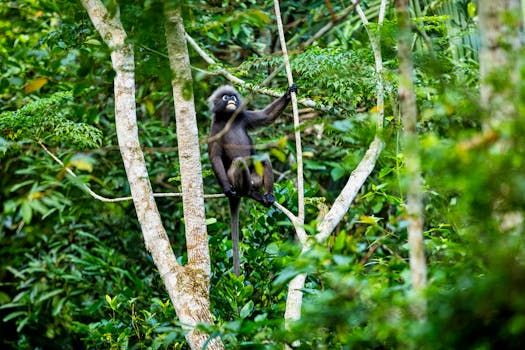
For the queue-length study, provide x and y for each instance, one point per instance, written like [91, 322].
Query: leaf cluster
[44, 120]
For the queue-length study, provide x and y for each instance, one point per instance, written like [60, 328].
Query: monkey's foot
[268, 199]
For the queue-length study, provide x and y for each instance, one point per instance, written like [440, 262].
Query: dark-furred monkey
[231, 152]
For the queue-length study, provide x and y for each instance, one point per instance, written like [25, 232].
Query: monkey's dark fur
[231, 151]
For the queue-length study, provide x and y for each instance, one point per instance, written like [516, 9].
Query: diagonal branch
[261, 89]
[367, 164]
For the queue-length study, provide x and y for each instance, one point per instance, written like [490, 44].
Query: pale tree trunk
[188, 286]
[196, 295]
[188, 142]
[499, 26]
[412, 180]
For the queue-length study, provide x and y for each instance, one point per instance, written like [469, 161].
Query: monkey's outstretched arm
[266, 116]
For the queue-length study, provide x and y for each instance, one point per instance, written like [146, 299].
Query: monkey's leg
[239, 175]
[264, 180]
[268, 196]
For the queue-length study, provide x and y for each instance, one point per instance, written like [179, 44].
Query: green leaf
[471, 9]
[15, 314]
[246, 309]
[278, 154]
[337, 173]
[27, 212]
[48, 295]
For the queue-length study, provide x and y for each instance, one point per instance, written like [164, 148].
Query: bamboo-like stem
[298, 146]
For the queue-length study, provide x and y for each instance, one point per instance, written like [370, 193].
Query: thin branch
[301, 234]
[347, 195]
[330, 8]
[298, 146]
[118, 199]
[260, 89]
[414, 201]
[86, 187]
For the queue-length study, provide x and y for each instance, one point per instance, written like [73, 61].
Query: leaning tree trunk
[188, 286]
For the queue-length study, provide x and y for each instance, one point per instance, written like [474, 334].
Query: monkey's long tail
[234, 213]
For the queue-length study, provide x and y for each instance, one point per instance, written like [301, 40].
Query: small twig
[155, 51]
[330, 25]
[330, 8]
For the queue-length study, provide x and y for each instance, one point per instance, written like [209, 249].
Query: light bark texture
[188, 286]
[410, 143]
[298, 147]
[188, 142]
[193, 299]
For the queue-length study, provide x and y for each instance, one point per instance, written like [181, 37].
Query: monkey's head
[224, 100]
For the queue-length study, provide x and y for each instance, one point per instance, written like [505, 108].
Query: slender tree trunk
[196, 296]
[188, 142]
[412, 181]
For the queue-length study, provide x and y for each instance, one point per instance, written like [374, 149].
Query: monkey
[231, 152]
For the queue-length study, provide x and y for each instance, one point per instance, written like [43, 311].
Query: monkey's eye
[233, 98]
[225, 98]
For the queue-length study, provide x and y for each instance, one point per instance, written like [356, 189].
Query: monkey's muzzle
[231, 106]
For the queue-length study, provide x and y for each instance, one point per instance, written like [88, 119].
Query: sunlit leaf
[150, 107]
[82, 162]
[471, 9]
[35, 85]
[27, 212]
[371, 220]
[278, 154]
[259, 169]
[246, 309]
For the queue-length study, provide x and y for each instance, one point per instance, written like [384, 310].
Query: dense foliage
[75, 273]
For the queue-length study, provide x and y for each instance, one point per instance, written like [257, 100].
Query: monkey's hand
[268, 200]
[292, 88]
[230, 192]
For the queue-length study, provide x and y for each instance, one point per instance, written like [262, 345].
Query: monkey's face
[230, 102]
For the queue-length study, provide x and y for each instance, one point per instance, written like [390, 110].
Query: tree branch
[118, 199]
[367, 164]
[330, 25]
[260, 89]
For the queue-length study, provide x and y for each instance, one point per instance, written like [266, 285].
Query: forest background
[407, 234]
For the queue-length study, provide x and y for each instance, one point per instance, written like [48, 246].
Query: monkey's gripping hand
[230, 192]
[292, 88]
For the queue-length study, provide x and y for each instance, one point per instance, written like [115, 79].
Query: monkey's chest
[237, 143]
